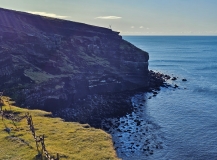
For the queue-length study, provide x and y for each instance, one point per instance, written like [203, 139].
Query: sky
[130, 17]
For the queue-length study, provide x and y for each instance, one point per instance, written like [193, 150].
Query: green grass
[71, 140]
[37, 76]
[93, 60]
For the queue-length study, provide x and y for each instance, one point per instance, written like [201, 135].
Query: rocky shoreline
[135, 134]
[123, 115]
[94, 108]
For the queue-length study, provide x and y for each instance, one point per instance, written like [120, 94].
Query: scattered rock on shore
[174, 78]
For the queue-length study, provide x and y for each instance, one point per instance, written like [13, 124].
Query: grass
[37, 76]
[71, 140]
[92, 60]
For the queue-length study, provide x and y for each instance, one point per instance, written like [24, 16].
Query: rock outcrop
[50, 64]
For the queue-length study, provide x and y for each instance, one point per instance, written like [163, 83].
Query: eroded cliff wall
[48, 63]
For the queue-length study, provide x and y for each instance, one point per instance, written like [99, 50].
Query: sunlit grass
[71, 140]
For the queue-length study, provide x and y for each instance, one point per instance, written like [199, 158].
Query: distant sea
[186, 117]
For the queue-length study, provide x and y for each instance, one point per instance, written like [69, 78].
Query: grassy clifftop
[70, 140]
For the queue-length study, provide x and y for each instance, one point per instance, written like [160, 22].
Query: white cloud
[131, 33]
[141, 27]
[47, 14]
[108, 17]
[132, 26]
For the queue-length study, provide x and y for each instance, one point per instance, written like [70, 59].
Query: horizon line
[164, 35]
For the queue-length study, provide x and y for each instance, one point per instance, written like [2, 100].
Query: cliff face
[50, 63]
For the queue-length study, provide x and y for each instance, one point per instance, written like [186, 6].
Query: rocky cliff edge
[52, 64]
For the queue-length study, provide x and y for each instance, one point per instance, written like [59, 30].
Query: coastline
[94, 108]
[135, 135]
[187, 115]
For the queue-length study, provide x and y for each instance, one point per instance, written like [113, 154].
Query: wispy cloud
[132, 27]
[141, 27]
[108, 17]
[47, 14]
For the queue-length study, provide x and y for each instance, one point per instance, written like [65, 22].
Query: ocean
[177, 124]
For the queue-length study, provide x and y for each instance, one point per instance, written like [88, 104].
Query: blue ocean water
[187, 117]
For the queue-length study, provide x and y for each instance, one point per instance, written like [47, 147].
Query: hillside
[57, 65]
[70, 140]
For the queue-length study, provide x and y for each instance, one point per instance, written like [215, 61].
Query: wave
[211, 67]
[185, 69]
[163, 65]
[209, 50]
[175, 61]
[209, 90]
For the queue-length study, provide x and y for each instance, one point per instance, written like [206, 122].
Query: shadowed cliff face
[50, 63]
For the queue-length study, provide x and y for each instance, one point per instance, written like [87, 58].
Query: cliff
[52, 64]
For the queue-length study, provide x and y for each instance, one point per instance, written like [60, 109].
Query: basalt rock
[174, 78]
[51, 64]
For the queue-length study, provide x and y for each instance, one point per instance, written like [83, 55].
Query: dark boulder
[174, 78]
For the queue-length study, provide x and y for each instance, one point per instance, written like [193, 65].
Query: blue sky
[130, 17]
